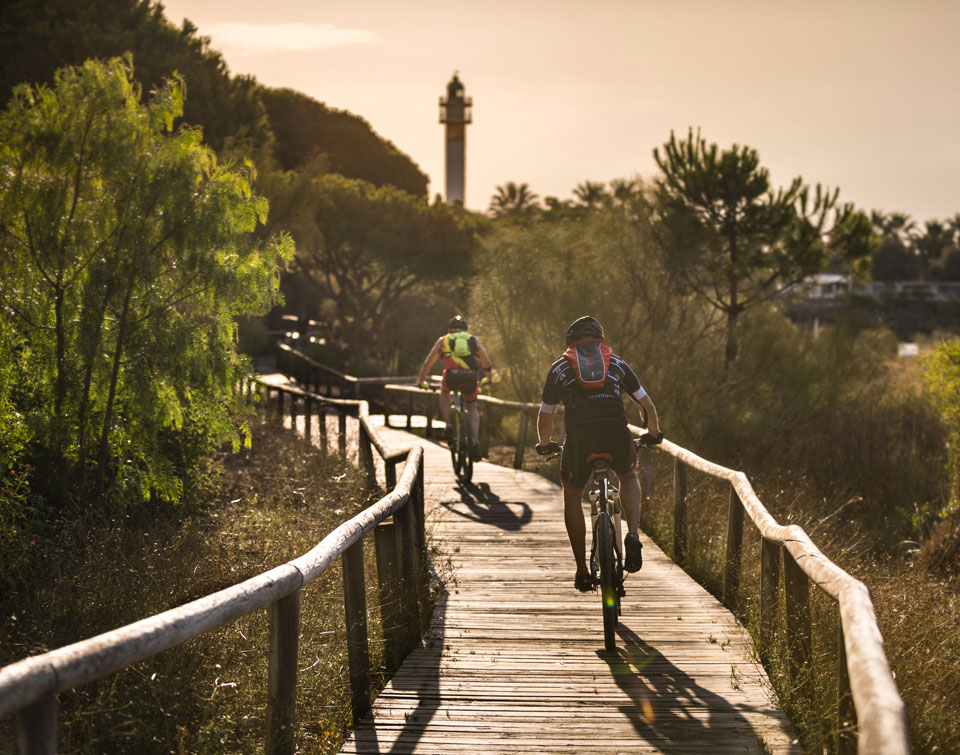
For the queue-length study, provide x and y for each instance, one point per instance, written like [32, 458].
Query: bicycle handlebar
[554, 449]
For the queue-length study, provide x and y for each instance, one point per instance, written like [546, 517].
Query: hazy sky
[860, 95]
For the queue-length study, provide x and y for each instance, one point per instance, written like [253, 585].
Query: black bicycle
[606, 556]
[461, 439]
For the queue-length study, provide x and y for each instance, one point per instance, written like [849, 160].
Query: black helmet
[582, 328]
[456, 323]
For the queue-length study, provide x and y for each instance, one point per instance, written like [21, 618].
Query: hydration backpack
[463, 348]
[590, 360]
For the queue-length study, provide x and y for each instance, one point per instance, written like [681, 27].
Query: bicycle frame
[461, 447]
[601, 491]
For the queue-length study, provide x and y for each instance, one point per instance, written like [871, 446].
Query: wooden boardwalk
[514, 660]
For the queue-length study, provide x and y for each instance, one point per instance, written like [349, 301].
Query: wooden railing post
[385, 544]
[366, 456]
[307, 418]
[36, 727]
[485, 432]
[846, 713]
[282, 674]
[731, 576]
[521, 442]
[342, 434]
[797, 588]
[645, 473]
[409, 605]
[322, 427]
[280, 403]
[390, 472]
[769, 584]
[358, 651]
[293, 412]
[409, 411]
[418, 503]
[679, 512]
[430, 409]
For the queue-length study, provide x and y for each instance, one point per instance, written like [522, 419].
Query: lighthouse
[455, 113]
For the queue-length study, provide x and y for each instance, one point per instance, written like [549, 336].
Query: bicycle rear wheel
[465, 472]
[456, 447]
[609, 589]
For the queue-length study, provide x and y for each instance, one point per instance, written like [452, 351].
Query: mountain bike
[459, 436]
[461, 439]
[606, 556]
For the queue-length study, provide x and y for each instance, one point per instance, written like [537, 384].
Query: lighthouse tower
[456, 114]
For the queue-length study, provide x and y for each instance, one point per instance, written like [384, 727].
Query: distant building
[455, 113]
[824, 287]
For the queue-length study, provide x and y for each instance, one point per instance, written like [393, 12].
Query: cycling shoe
[583, 581]
[633, 548]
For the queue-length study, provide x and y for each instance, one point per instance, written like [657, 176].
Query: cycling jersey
[590, 380]
[460, 364]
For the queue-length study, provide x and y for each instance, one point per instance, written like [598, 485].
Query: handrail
[880, 710]
[864, 672]
[313, 373]
[28, 687]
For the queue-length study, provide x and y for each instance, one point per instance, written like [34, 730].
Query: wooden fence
[29, 688]
[407, 400]
[871, 715]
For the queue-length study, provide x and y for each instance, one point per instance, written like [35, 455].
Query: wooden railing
[326, 381]
[871, 715]
[405, 400]
[29, 688]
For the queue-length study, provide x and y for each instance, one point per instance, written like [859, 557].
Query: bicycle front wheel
[609, 589]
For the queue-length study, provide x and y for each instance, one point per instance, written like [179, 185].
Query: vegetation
[126, 253]
[733, 240]
[365, 250]
[260, 508]
[308, 133]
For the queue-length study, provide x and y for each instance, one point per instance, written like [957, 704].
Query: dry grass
[918, 611]
[209, 695]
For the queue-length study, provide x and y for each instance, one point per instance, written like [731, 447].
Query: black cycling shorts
[465, 381]
[601, 437]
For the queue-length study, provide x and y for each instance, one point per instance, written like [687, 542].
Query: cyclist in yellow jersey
[463, 359]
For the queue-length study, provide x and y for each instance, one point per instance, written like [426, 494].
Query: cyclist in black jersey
[590, 380]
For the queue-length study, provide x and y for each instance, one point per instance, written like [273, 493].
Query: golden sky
[860, 95]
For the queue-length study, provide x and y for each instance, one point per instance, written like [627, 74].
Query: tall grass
[209, 695]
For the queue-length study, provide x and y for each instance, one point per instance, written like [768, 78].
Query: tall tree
[734, 240]
[126, 256]
[365, 248]
[513, 200]
[308, 132]
[590, 193]
[36, 39]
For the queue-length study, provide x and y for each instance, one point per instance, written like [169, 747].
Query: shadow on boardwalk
[425, 684]
[668, 708]
[485, 506]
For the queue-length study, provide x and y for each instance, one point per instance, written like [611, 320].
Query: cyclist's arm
[430, 360]
[653, 424]
[484, 358]
[545, 423]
